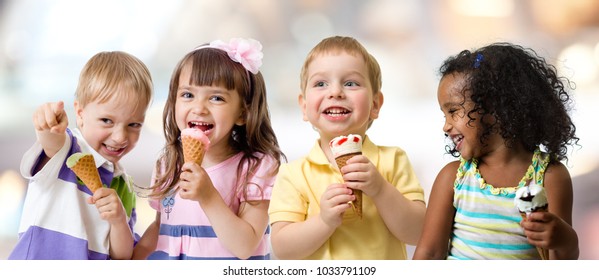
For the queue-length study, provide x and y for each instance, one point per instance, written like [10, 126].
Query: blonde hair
[336, 45]
[107, 74]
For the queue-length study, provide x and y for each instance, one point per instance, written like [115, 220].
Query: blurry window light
[577, 63]
[74, 26]
[488, 8]
[12, 193]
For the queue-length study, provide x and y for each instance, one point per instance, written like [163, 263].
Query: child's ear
[78, 113]
[377, 103]
[241, 120]
[302, 103]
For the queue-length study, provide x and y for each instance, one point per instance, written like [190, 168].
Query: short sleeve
[261, 184]
[404, 178]
[32, 157]
[288, 203]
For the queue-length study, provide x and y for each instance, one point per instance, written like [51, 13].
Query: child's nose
[336, 91]
[199, 108]
[447, 127]
[119, 135]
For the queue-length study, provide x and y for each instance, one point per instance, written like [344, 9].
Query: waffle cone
[544, 253]
[87, 172]
[193, 149]
[356, 204]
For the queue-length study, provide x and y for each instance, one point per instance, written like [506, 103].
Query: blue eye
[319, 84]
[217, 98]
[187, 94]
[351, 84]
[106, 121]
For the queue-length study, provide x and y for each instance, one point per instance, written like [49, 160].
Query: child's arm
[301, 239]
[438, 221]
[403, 217]
[553, 230]
[147, 242]
[111, 209]
[241, 232]
[50, 122]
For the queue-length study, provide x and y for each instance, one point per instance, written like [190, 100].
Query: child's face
[464, 136]
[213, 109]
[338, 98]
[111, 128]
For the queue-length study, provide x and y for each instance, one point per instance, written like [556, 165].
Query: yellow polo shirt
[300, 184]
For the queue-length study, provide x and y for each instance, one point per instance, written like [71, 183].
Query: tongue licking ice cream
[530, 199]
[344, 148]
[195, 144]
[84, 166]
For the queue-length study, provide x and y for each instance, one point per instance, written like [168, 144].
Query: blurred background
[44, 44]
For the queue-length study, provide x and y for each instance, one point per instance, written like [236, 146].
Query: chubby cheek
[312, 108]
[132, 142]
[181, 116]
[95, 137]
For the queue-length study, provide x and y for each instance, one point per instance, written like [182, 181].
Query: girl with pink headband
[215, 209]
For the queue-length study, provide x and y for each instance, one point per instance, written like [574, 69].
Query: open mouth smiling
[336, 111]
[201, 125]
[457, 140]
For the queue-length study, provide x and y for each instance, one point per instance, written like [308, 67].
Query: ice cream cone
[344, 148]
[544, 253]
[195, 144]
[532, 198]
[356, 204]
[193, 149]
[84, 166]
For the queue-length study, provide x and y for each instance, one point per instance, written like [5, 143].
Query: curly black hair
[523, 94]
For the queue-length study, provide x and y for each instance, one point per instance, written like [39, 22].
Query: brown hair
[211, 66]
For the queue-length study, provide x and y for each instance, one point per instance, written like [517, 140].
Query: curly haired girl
[506, 116]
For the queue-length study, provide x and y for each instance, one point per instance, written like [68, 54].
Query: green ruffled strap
[461, 172]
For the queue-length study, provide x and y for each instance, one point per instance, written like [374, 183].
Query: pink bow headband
[247, 52]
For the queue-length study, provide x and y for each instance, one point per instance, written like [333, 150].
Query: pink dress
[185, 231]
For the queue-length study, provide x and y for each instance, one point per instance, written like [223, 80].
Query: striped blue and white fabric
[487, 222]
[57, 223]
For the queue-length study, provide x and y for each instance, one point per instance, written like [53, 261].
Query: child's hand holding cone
[531, 199]
[344, 148]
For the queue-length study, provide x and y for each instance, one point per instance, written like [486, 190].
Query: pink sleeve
[260, 187]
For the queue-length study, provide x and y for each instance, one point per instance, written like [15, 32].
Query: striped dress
[487, 222]
[185, 230]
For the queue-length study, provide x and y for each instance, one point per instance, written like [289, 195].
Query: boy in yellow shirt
[309, 210]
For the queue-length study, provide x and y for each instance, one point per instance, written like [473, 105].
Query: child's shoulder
[266, 161]
[450, 170]
[297, 162]
[384, 149]
[387, 154]
[557, 171]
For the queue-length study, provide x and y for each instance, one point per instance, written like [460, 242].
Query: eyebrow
[448, 104]
[211, 89]
[350, 73]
